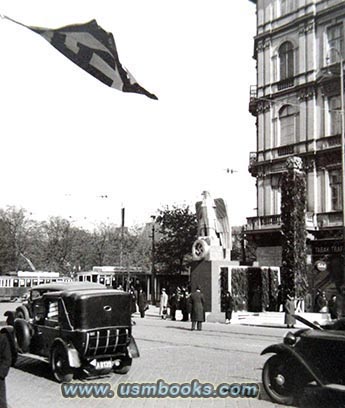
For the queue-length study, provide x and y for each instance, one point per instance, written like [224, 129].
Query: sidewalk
[264, 319]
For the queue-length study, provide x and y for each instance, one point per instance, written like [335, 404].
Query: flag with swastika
[94, 50]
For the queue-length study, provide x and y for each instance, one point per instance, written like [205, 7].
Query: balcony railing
[330, 219]
[264, 222]
[274, 222]
[285, 83]
[286, 150]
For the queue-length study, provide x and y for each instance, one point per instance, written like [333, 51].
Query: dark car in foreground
[80, 329]
[308, 359]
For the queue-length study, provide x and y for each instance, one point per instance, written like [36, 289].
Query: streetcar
[15, 285]
[116, 277]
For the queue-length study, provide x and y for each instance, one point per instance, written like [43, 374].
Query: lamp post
[341, 63]
[153, 269]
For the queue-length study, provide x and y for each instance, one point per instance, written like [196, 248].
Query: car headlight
[290, 339]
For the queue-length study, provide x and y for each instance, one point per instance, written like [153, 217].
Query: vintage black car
[84, 331]
[310, 358]
[24, 311]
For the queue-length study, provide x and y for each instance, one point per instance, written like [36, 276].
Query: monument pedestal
[206, 275]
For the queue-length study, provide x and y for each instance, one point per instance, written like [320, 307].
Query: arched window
[286, 60]
[288, 118]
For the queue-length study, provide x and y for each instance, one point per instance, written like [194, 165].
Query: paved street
[170, 351]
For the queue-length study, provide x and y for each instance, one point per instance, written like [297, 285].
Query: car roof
[68, 286]
[87, 293]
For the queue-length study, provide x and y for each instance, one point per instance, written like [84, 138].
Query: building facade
[296, 101]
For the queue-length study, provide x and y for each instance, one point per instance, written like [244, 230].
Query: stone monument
[214, 232]
[212, 250]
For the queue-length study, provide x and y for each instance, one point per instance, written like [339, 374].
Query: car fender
[290, 351]
[9, 332]
[133, 350]
[72, 353]
[23, 310]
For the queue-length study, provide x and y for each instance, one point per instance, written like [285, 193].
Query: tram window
[94, 278]
[107, 281]
[41, 281]
[22, 283]
[28, 283]
[15, 283]
[80, 278]
[47, 280]
[34, 282]
[53, 280]
[101, 280]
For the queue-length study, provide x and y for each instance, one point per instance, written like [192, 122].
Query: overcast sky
[67, 139]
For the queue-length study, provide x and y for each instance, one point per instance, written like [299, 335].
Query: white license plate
[100, 365]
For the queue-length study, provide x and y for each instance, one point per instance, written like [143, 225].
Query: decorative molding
[306, 93]
[263, 106]
[306, 28]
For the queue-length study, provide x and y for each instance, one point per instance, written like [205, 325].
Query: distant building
[296, 102]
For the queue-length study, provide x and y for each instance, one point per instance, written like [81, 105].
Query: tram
[16, 284]
[116, 277]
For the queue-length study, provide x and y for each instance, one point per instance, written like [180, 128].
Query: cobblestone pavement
[170, 351]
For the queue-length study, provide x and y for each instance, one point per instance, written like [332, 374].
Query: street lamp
[341, 63]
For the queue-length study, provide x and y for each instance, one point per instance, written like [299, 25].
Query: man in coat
[197, 304]
[163, 305]
[5, 364]
[142, 303]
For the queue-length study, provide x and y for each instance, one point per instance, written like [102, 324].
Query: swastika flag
[94, 50]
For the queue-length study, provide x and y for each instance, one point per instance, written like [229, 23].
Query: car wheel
[278, 380]
[22, 313]
[59, 362]
[124, 366]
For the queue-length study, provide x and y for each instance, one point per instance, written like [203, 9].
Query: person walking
[228, 306]
[132, 303]
[323, 303]
[289, 310]
[173, 305]
[280, 299]
[332, 307]
[197, 306]
[163, 306]
[5, 364]
[185, 305]
[142, 303]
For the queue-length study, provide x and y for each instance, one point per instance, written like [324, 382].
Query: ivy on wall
[294, 233]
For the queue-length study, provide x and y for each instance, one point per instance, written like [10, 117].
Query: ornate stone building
[296, 102]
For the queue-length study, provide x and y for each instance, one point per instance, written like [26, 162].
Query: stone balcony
[273, 222]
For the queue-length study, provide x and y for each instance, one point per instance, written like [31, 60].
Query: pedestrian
[197, 305]
[322, 303]
[317, 301]
[228, 306]
[132, 302]
[142, 303]
[289, 310]
[280, 299]
[332, 307]
[163, 306]
[5, 364]
[173, 305]
[308, 303]
[185, 305]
